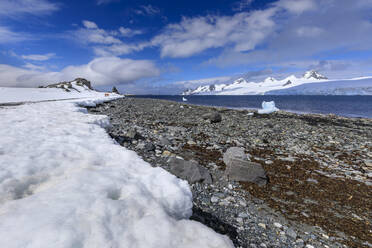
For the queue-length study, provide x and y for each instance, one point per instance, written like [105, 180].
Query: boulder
[246, 171]
[213, 117]
[133, 134]
[149, 147]
[189, 170]
[232, 153]
[114, 90]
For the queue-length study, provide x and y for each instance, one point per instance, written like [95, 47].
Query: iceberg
[268, 107]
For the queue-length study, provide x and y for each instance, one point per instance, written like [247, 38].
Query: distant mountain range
[311, 83]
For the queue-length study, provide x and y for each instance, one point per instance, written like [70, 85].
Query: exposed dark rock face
[68, 86]
[114, 90]
[287, 83]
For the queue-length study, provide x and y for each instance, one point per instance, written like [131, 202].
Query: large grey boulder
[246, 171]
[234, 152]
[213, 117]
[189, 170]
[239, 168]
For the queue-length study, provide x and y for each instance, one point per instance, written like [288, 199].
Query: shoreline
[314, 163]
[156, 97]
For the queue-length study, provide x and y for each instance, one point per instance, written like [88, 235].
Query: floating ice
[268, 107]
[184, 99]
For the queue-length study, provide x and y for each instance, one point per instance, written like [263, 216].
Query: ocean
[348, 106]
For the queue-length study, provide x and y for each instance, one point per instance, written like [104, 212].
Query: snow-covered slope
[64, 183]
[343, 87]
[270, 84]
[66, 90]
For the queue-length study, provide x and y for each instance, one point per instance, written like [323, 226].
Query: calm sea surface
[350, 106]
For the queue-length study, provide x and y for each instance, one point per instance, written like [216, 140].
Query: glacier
[311, 83]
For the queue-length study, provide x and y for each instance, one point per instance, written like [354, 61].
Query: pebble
[277, 225]
[262, 225]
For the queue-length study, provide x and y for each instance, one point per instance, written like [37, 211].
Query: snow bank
[65, 183]
[17, 95]
[268, 107]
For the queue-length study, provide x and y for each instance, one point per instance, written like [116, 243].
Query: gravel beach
[276, 180]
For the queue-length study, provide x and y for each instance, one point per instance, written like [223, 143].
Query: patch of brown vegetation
[301, 193]
[203, 155]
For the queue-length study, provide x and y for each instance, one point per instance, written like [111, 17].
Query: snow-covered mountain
[77, 89]
[271, 85]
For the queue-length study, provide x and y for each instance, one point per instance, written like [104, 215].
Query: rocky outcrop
[71, 85]
[190, 171]
[114, 90]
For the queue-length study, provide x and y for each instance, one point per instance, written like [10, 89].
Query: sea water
[349, 106]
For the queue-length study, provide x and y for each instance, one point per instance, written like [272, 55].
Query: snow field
[65, 183]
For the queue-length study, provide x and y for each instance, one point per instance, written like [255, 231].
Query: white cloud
[101, 71]
[8, 36]
[39, 57]
[309, 31]
[34, 67]
[194, 35]
[297, 6]
[105, 42]
[100, 2]
[14, 8]
[242, 5]
[148, 10]
[127, 32]
[90, 25]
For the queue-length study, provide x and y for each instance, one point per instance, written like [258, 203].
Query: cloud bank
[101, 71]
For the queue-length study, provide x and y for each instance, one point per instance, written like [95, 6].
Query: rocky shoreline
[316, 190]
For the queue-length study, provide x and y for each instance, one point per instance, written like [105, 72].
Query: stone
[189, 170]
[246, 171]
[291, 233]
[277, 225]
[212, 117]
[262, 225]
[166, 153]
[164, 142]
[232, 153]
[214, 199]
[133, 134]
[149, 147]
[114, 90]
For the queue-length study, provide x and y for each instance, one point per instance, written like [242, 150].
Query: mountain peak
[312, 74]
[269, 80]
[239, 81]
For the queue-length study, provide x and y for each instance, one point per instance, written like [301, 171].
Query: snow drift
[64, 183]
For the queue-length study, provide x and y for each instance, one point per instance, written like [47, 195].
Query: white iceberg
[184, 99]
[268, 107]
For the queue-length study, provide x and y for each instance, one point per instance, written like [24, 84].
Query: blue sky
[167, 46]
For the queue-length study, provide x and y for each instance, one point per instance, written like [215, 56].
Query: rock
[232, 153]
[212, 117]
[189, 170]
[291, 233]
[149, 147]
[262, 225]
[164, 142]
[166, 153]
[214, 199]
[114, 90]
[133, 134]
[246, 171]
[278, 225]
